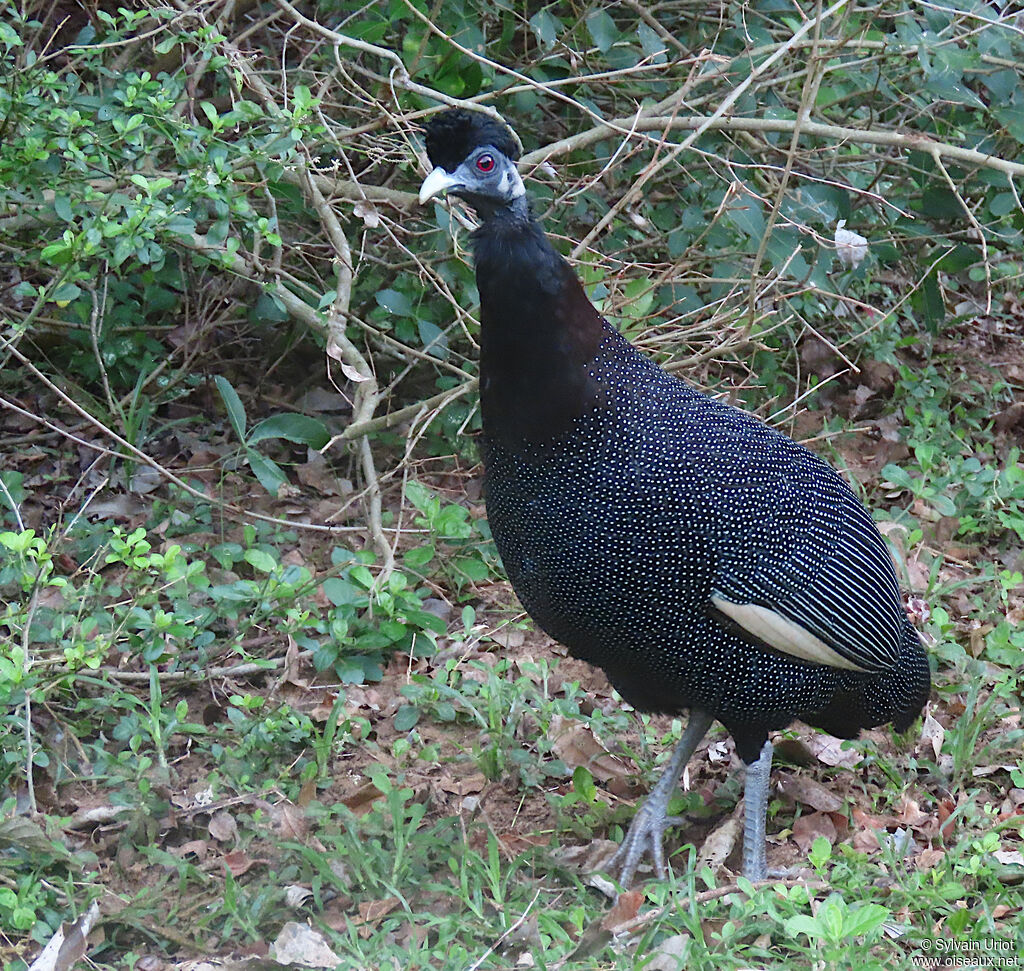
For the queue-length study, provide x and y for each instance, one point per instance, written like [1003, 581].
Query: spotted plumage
[701, 559]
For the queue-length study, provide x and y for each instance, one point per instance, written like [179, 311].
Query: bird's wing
[800, 564]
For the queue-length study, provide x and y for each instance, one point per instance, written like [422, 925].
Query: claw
[646, 833]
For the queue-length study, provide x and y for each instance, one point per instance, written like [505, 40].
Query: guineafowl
[703, 560]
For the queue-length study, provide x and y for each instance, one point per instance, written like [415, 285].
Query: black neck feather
[539, 332]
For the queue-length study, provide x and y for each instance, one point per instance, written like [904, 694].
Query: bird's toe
[645, 837]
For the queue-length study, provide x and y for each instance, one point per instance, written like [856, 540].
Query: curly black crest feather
[453, 134]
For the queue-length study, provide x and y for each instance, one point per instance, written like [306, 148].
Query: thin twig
[701, 123]
[977, 228]
[367, 392]
[512, 928]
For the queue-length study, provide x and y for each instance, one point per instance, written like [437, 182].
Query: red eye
[485, 163]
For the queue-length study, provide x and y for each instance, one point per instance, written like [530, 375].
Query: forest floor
[232, 801]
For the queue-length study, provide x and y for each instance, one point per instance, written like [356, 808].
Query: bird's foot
[645, 836]
[646, 833]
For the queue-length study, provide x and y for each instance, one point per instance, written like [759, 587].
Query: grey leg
[647, 831]
[755, 864]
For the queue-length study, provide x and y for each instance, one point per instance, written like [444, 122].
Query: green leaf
[603, 30]
[406, 718]
[830, 919]
[300, 429]
[57, 253]
[270, 308]
[929, 301]
[341, 593]
[898, 476]
[233, 404]
[547, 27]
[746, 215]
[864, 919]
[62, 207]
[260, 560]
[1012, 118]
[418, 557]
[433, 339]
[821, 852]
[651, 42]
[426, 621]
[266, 471]
[394, 302]
[361, 575]
[123, 248]
[1003, 204]
[1002, 84]
[66, 292]
[422, 498]
[472, 567]
[583, 783]
[803, 924]
[14, 491]
[9, 36]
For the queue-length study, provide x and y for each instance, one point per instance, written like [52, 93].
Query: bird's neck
[539, 332]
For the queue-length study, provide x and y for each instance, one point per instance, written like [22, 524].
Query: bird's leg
[647, 831]
[755, 798]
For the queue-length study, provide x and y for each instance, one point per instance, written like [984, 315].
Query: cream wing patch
[783, 634]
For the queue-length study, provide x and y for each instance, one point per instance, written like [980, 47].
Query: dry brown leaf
[317, 474]
[868, 827]
[67, 947]
[929, 858]
[292, 665]
[352, 374]
[806, 791]
[624, 910]
[946, 807]
[576, 745]
[509, 637]
[1009, 857]
[668, 955]
[199, 847]
[932, 735]
[592, 941]
[516, 843]
[362, 800]
[289, 820]
[977, 637]
[589, 857]
[911, 814]
[373, 912]
[238, 862]
[299, 945]
[367, 211]
[295, 895]
[719, 753]
[812, 825]
[719, 844]
[223, 827]
[307, 793]
[463, 787]
[829, 751]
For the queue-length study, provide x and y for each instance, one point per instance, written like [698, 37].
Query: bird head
[473, 157]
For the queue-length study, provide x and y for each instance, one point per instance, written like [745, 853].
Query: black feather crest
[453, 134]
